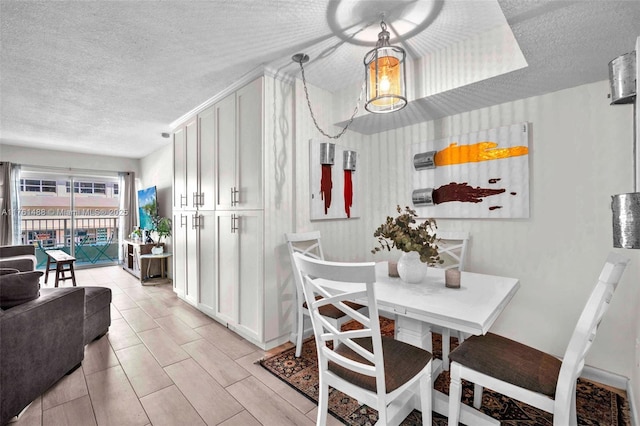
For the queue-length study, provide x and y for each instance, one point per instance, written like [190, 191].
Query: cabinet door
[180, 223]
[191, 289]
[225, 144]
[226, 254]
[250, 272]
[206, 126]
[192, 166]
[249, 151]
[206, 259]
[239, 270]
[179, 169]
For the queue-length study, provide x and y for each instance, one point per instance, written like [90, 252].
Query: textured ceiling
[108, 77]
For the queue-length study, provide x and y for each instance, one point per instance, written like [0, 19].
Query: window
[115, 189]
[38, 185]
[87, 187]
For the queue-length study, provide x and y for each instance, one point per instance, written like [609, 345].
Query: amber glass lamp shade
[385, 79]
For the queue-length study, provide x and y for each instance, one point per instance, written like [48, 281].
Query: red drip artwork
[325, 186]
[348, 192]
[462, 192]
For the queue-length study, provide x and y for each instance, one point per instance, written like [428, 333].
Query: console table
[162, 260]
[135, 263]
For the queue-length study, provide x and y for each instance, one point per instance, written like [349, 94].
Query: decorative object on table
[136, 235]
[418, 242]
[410, 268]
[452, 278]
[483, 174]
[393, 269]
[147, 237]
[162, 226]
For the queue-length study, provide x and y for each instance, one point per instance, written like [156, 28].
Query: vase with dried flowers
[417, 241]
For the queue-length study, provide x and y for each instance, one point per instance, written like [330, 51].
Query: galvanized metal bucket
[626, 220]
[327, 153]
[622, 78]
[349, 160]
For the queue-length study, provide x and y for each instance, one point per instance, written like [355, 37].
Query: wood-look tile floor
[165, 363]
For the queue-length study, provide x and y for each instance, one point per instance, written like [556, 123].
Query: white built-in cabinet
[239, 287]
[219, 233]
[238, 179]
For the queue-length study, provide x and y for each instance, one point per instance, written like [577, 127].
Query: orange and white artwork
[482, 174]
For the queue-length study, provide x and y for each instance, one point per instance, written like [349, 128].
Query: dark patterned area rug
[596, 405]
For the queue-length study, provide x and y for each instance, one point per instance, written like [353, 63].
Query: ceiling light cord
[313, 117]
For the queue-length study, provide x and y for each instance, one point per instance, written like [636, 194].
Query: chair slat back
[587, 326]
[353, 275]
[452, 248]
[308, 244]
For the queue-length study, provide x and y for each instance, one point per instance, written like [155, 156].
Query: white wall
[50, 158]
[156, 169]
[580, 154]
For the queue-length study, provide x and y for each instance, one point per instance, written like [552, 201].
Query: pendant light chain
[313, 117]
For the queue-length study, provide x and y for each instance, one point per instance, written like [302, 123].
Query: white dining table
[472, 308]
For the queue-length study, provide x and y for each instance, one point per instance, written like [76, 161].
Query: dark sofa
[20, 257]
[40, 341]
[42, 331]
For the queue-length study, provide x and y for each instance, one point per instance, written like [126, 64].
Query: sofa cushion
[95, 299]
[18, 288]
[5, 271]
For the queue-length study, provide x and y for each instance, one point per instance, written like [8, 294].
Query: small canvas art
[483, 174]
[333, 174]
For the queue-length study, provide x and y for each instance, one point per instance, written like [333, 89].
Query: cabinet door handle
[234, 223]
[195, 199]
[201, 199]
[234, 196]
[183, 203]
[195, 221]
[183, 220]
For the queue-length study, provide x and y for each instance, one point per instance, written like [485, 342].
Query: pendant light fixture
[384, 80]
[385, 76]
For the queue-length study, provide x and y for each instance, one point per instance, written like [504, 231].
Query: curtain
[14, 183]
[128, 202]
[6, 216]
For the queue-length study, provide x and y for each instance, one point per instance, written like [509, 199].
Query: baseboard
[605, 377]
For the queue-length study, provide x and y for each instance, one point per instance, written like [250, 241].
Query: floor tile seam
[42, 409]
[273, 394]
[132, 388]
[185, 398]
[207, 371]
[86, 386]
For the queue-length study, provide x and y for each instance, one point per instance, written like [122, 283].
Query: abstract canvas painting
[482, 174]
[333, 175]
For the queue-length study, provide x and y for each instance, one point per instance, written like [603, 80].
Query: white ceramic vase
[410, 268]
[157, 250]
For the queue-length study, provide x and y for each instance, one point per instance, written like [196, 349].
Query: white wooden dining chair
[378, 371]
[527, 374]
[452, 249]
[309, 244]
